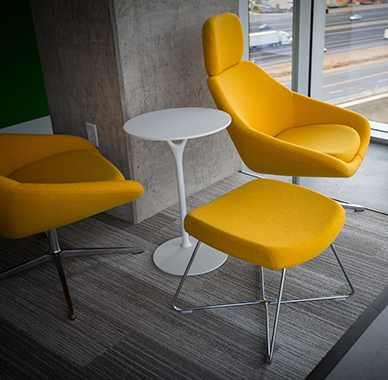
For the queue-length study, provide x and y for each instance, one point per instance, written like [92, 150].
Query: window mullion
[244, 18]
[308, 43]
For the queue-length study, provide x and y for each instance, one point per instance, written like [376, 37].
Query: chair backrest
[28, 208]
[241, 88]
[6, 167]
[20, 150]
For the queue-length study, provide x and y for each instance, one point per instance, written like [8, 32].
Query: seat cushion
[269, 223]
[69, 167]
[339, 141]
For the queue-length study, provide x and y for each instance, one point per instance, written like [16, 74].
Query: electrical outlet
[91, 130]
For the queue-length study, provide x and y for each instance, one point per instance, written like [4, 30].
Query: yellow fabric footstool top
[269, 223]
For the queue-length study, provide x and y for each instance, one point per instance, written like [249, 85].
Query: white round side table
[176, 126]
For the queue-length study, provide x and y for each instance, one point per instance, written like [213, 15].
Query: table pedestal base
[171, 258]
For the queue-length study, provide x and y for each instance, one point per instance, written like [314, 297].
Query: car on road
[355, 17]
[264, 27]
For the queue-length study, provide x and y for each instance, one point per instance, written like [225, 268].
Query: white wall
[39, 126]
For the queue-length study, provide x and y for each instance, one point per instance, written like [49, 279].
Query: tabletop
[177, 124]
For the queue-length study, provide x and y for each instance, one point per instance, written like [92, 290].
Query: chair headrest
[223, 42]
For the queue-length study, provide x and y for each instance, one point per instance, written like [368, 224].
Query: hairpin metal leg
[271, 342]
[337, 297]
[264, 301]
[190, 309]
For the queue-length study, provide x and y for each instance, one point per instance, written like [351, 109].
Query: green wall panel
[23, 95]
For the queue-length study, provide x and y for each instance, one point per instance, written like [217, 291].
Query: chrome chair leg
[44, 258]
[55, 251]
[271, 343]
[99, 251]
[62, 278]
[264, 301]
[346, 206]
[351, 206]
[190, 309]
[56, 255]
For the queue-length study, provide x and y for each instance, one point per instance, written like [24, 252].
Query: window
[270, 38]
[355, 69]
[338, 51]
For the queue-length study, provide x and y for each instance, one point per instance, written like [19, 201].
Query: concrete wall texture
[106, 61]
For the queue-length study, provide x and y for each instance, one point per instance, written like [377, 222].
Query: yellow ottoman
[272, 224]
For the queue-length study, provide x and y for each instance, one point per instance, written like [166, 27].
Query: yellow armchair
[275, 130]
[48, 181]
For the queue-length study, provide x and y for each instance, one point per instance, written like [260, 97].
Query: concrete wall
[106, 61]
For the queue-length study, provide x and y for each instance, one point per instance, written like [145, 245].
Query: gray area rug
[126, 327]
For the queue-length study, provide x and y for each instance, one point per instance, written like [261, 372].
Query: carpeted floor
[126, 327]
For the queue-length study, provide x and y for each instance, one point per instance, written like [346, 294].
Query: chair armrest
[309, 111]
[28, 208]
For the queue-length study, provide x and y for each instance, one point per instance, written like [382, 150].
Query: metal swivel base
[57, 254]
[351, 206]
[346, 206]
[270, 340]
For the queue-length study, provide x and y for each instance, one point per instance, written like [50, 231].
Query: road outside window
[356, 63]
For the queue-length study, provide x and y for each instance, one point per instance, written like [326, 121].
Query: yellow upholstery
[339, 141]
[269, 223]
[48, 181]
[271, 125]
[272, 224]
[222, 55]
